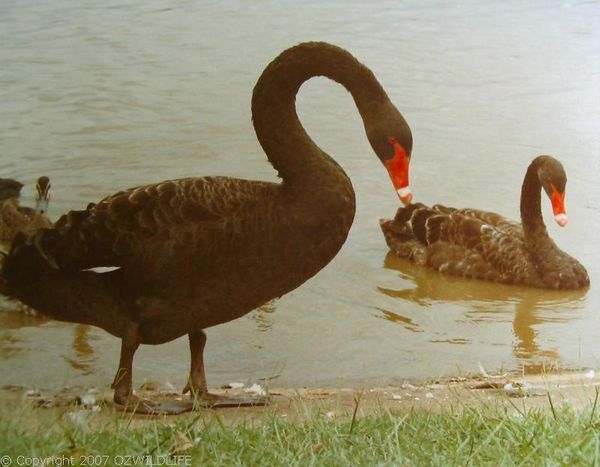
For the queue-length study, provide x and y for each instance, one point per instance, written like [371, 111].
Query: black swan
[195, 252]
[15, 218]
[484, 245]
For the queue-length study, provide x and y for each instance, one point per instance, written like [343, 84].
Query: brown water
[110, 95]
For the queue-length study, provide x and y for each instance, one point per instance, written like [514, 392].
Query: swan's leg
[197, 381]
[196, 384]
[123, 379]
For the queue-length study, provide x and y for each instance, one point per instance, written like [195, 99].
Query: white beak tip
[405, 194]
[561, 219]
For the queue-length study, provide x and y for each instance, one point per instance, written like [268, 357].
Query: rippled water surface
[101, 96]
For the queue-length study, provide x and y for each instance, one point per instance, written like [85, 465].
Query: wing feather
[141, 225]
[465, 242]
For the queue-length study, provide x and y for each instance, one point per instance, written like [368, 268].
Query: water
[106, 96]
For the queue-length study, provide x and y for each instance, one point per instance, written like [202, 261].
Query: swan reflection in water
[13, 323]
[12, 320]
[263, 316]
[486, 302]
[84, 351]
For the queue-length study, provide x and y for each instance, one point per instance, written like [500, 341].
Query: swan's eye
[392, 140]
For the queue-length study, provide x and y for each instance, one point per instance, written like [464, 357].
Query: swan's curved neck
[531, 211]
[301, 164]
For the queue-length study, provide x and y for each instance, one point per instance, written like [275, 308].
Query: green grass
[459, 436]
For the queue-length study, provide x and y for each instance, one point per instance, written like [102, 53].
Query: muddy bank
[516, 393]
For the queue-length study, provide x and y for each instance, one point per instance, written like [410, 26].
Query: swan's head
[43, 194]
[391, 139]
[554, 180]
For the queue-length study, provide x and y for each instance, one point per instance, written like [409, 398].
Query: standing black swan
[485, 245]
[196, 252]
[15, 218]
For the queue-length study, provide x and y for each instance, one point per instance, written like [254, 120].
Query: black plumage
[196, 252]
[484, 245]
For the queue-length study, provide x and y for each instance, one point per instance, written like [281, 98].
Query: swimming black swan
[485, 245]
[196, 252]
[15, 218]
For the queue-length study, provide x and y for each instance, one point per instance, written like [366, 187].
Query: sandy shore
[515, 393]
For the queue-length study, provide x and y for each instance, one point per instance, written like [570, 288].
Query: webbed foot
[132, 403]
[205, 399]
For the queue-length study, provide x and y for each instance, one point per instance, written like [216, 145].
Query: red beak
[397, 168]
[558, 206]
